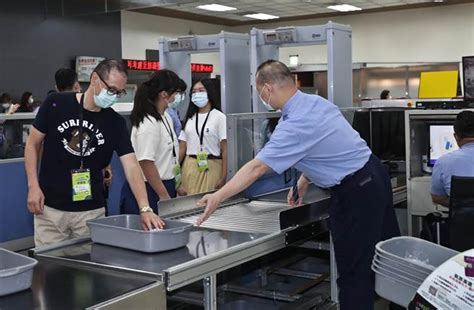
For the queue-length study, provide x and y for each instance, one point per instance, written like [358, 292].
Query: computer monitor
[468, 77]
[441, 142]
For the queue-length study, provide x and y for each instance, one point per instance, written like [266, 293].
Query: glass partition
[14, 131]
[247, 133]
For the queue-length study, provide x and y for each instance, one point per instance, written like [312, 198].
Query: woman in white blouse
[203, 141]
[154, 140]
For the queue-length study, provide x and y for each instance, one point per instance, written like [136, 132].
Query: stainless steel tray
[126, 231]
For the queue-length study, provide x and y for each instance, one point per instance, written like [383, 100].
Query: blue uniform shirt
[176, 121]
[315, 138]
[458, 163]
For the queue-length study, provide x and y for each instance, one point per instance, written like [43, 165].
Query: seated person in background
[385, 94]
[458, 163]
[6, 104]
[26, 102]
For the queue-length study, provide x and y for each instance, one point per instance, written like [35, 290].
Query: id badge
[202, 162]
[177, 175]
[81, 185]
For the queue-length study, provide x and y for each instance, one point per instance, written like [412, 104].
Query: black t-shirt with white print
[103, 133]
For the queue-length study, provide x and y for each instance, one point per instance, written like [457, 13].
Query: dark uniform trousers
[361, 215]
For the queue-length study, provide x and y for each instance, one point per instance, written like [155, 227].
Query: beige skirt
[195, 182]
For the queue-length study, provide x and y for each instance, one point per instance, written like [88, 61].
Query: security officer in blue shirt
[457, 163]
[314, 137]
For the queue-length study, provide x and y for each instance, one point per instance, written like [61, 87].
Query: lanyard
[170, 132]
[201, 136]
[81, 130]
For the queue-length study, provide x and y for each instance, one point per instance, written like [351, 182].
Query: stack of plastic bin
[401, 265]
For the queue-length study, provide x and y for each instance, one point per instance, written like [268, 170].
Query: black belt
[208, 156]
[353, 176]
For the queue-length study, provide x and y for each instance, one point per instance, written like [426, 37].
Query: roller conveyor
[251, 217]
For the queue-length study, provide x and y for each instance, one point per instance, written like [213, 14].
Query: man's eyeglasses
[111, 90]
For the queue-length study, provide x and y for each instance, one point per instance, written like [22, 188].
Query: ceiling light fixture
[261, 16]
[344, 8]
[216, 7]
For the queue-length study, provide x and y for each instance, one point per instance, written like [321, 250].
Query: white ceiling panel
[283, 8]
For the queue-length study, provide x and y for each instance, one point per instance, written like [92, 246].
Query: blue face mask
[104, 100]
[200, 99]
[178, 98]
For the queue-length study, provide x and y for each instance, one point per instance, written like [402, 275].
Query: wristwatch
[146, 209]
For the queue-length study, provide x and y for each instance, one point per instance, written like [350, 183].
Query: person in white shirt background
[154, 141]
[203, 141]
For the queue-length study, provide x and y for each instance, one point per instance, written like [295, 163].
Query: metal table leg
[210, 293]
[333, 266]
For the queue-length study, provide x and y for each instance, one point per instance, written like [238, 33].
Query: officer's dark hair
[464, 125]
[65, 79]
[105, 66]
[148, 92]
[211, 86]
[274, 71]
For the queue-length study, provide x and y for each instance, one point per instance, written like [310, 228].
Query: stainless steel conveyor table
[238, 232]
[57, 286]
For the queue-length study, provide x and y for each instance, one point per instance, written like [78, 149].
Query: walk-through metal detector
[233, 49]
[265, 44]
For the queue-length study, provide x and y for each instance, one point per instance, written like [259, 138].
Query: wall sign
[85, 65]
[150, 65]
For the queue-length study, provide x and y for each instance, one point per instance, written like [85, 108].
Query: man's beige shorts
[55, 226]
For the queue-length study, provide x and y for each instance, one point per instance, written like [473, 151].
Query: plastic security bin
[395, 276]
[409, 275]
[416, 272]
[394, 290]
[16, 272]
[126, 231]
[414, 252]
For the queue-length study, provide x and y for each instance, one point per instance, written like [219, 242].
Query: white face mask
[31, 100]
[6, 106]
[200, 99]
[178, 98]
[266, 104]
